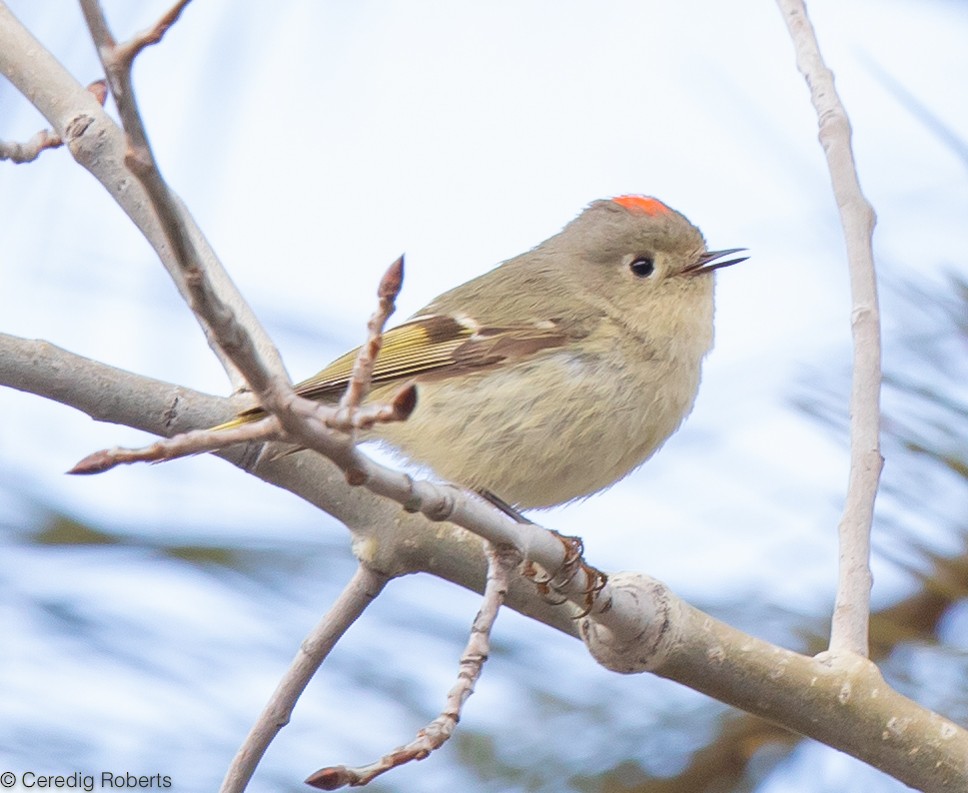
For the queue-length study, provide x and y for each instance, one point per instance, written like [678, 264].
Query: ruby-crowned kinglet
[560, 371]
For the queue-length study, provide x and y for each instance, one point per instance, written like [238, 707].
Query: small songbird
[560, 371]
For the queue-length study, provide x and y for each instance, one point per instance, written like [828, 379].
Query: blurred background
[148, 613]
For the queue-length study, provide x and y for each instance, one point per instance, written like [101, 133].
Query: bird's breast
[550, 430]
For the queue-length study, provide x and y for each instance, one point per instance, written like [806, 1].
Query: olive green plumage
[560, 371]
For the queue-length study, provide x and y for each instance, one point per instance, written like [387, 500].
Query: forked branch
[501, 565]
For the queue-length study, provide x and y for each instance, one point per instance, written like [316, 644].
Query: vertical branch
[849, 630]
[362, 375]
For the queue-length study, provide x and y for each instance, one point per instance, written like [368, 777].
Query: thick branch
[837, 699]
[402, 542]
[45, 139]
[849, 631]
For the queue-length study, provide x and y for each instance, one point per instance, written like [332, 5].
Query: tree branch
[391, 541]
[849, 630]
[99, 145]
[20, 153]
[501, 564]
[265, 374]
[361, 590]
[840, 700]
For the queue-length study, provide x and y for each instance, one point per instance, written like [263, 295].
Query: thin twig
[263, 430]
[849, 629]
[20, 153]
[501, 564]
[264, 373]
[361, 590]
[181, 445]
[359, 384]
[130, 49]
[303, 422]
[45, 139]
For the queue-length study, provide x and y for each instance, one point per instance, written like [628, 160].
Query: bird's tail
[245, 417]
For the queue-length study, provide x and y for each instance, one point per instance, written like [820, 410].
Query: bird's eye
[642, 266]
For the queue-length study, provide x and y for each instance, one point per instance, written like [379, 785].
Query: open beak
[709, 261]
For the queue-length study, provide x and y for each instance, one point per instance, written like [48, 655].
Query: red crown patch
[642, 205]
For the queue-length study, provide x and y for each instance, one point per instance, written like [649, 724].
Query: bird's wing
[437, 345]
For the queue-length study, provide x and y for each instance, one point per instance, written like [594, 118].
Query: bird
[560, 371]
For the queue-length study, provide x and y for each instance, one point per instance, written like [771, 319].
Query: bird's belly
[584, 430]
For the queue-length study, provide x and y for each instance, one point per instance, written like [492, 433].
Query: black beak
[709, 261]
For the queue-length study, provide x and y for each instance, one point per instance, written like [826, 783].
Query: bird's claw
[571, 565]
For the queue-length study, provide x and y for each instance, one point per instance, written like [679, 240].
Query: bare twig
[303, 422]
[45, 139]
[365, 585]
[849, 630]
[265, 429]
[182, 445]
[359, 384]
[397, 409]
[501, 564]
[20, 153]
[130, 49]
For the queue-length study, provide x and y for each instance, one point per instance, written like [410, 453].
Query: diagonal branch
[154, 34]
[501, 564]
[362, 589]
[96, 142]
[302, 421]
[407, 542]
[849, 630]
[264, 374]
